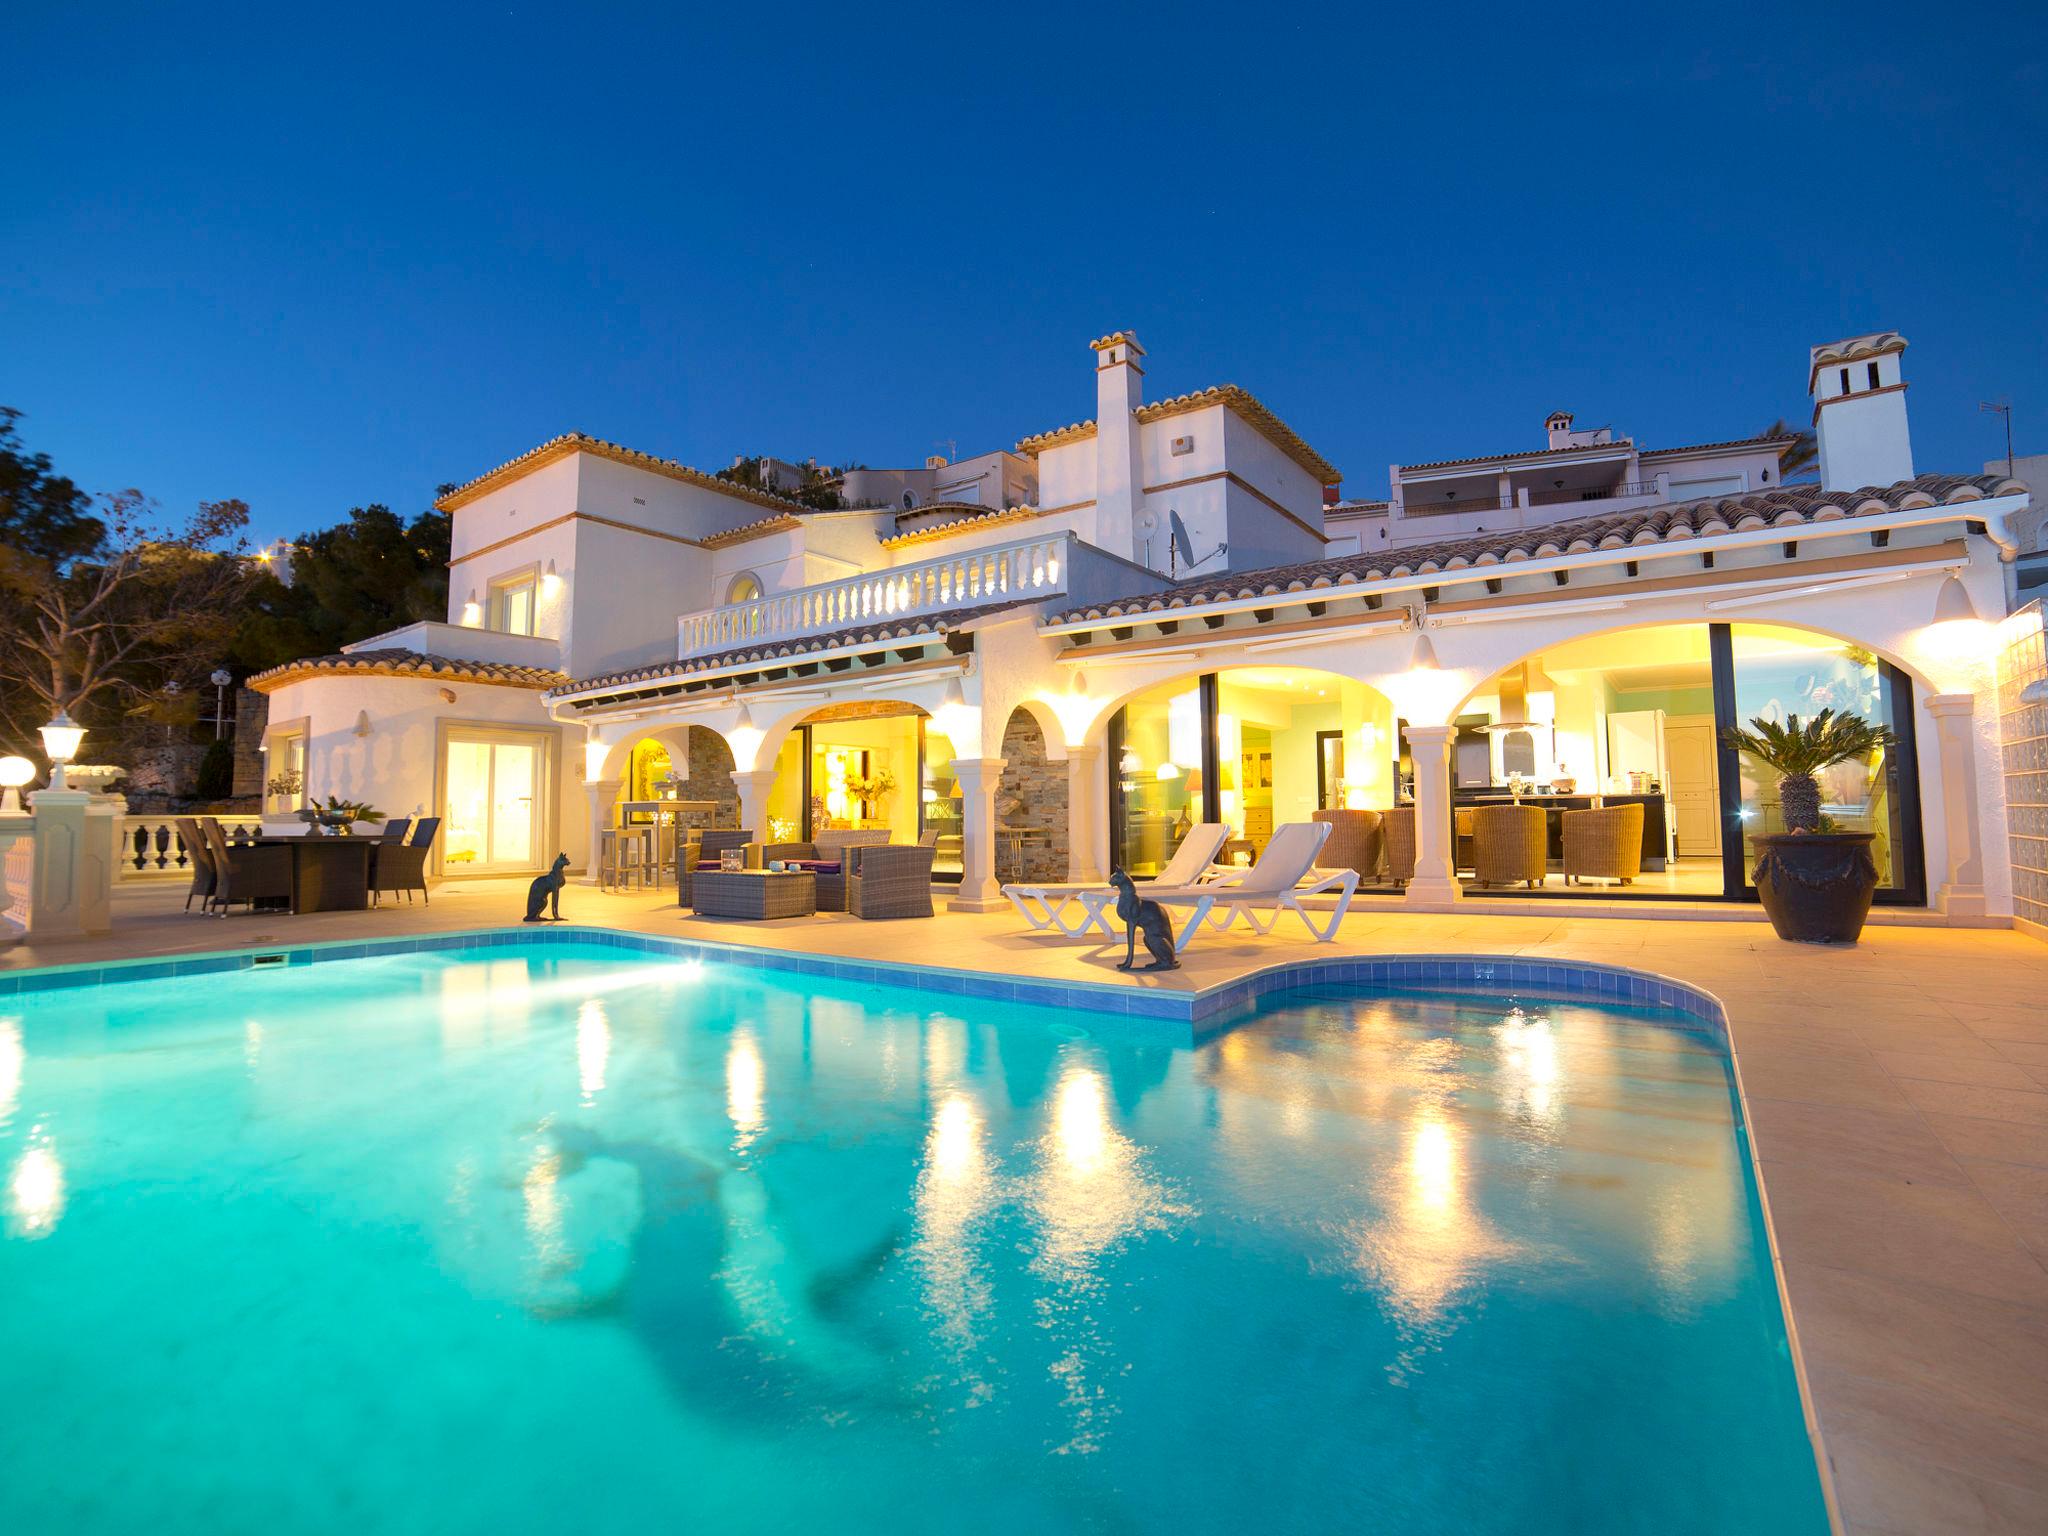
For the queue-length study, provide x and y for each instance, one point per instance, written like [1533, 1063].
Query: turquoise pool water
[568, 1240]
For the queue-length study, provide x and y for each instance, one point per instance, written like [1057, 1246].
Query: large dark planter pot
[1816, 886]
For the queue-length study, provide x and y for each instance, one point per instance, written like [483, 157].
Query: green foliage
[1803, 456]
[814, 492]
[1796, 751]
[216, 777]
[42, 515]
[354, 810]
[374, 572]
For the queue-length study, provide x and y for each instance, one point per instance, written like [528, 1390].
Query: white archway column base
[1435, 883]
[1961, 894]
[978, 778]
[1084, 821]
[753, 785]
[603, 796]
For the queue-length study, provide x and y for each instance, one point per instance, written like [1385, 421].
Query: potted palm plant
[1815, 883]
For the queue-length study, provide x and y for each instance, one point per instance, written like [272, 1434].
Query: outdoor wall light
[1424, 659]
[15, 772]
[62, 738]
[1952, 603]
[472, 611]
[550, 582]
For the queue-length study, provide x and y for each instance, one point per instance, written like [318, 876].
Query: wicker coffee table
[756, 894]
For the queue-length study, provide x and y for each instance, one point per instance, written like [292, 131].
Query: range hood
[1515, 687]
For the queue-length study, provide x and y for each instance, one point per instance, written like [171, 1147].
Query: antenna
[2002, 408]
[1182, 547]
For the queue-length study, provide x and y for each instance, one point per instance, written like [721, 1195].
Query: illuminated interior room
[868, 767]
[1634, 718]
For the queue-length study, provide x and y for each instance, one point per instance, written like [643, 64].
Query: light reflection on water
[770, 1237]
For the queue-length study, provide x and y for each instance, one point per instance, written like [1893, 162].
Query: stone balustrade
[149, 847]
[1026, 568]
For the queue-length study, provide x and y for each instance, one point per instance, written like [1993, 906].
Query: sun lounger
[1283, 877]
[1054, 906]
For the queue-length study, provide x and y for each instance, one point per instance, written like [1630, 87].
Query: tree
[1797, 753]
[97, 631]
[1802, 457]
[358, 578]
[41, 514]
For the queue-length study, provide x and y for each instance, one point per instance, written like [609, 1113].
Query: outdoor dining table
[329, 874]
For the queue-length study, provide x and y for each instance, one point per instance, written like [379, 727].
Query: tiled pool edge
[1203, 1012]
[1590, 981]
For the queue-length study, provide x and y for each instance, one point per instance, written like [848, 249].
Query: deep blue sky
[314, 258]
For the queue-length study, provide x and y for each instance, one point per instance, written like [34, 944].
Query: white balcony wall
[435, 639]
[1024, 568]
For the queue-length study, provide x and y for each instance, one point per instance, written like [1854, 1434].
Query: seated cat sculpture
[547, 891]
[1146, 917]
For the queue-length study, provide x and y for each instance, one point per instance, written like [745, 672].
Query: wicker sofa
[1604, 844]
[889, 880]
[826, 857]
[703, 852]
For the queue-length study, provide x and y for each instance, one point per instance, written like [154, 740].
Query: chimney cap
[1118, 338]
[1851, 349]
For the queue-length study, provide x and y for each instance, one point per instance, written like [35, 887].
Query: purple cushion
[815, 866]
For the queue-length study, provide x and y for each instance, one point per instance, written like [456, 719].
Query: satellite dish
[1144, 525]
[1182, 548]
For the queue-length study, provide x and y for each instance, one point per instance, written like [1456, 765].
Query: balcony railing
[1593, 493]
[1028, 568]
[150, 847]
[1551, 498]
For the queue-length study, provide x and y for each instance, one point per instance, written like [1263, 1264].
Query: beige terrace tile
[2019, 1194]
[1883, 1143]
[1887, 1493]
[1840, 1077]
[1933, 1234]
[1978, 1070]
[2021, 1107]
[2001, 1141]
[1912, 1424]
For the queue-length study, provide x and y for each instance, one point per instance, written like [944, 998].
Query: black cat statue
[546, 892]
[1146, 917]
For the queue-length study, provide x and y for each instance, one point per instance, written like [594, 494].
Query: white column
[753, 785]
[1084, 814]
[603, 796]
[978, 778]
[72, 888]
[1961, 896]
[1436, 879]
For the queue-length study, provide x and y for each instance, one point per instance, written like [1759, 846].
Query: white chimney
[1557, 427]
[1859, 411]
[1119, 467]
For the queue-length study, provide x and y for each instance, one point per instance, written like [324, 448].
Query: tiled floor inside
[1897, 1093]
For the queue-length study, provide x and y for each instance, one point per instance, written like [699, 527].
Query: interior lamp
[15, 772]
[61, 740]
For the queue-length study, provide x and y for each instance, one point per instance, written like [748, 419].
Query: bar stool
[622, 853]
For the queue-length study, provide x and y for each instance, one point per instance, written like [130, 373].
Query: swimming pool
[557, 1237]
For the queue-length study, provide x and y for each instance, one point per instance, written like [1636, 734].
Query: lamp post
[61, 740]
[220, 680]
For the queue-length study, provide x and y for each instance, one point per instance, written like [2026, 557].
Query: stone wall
[711, 776]
[1032, 793]
[252, 718]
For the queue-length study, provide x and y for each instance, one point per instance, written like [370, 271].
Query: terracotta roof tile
[1788, 507]
[577, 442]
[1242, 401]
[402, 663]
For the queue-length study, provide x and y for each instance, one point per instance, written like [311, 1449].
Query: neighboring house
[1176, 629]
[2030, 571]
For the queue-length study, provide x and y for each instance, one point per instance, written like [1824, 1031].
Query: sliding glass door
[493, 800]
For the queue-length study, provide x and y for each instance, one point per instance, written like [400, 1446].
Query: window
[744, 589]
[1845, 381]
[1873, 375]
[512, 604]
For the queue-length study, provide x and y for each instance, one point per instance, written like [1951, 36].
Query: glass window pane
[1783, 672]
[786, 794]
[468, 809]
[1158, 775]
[514, 786]
[942, 802]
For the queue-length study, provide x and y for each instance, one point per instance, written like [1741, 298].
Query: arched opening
[1616, 740]
[1031, 805]
[875, 765]
[1253, 748]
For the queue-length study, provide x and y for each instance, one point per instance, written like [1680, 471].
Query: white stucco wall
[395, 766]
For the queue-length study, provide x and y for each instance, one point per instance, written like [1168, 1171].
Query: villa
[1185, 623]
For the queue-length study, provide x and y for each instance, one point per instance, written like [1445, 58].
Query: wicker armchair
[826, 856]
[1604, 844]
[1398, 825]
[1510, 844]
[402, 865]
[1354, 842]
[247, 874]
[705, 850]
[890, 880]
[193, 841]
